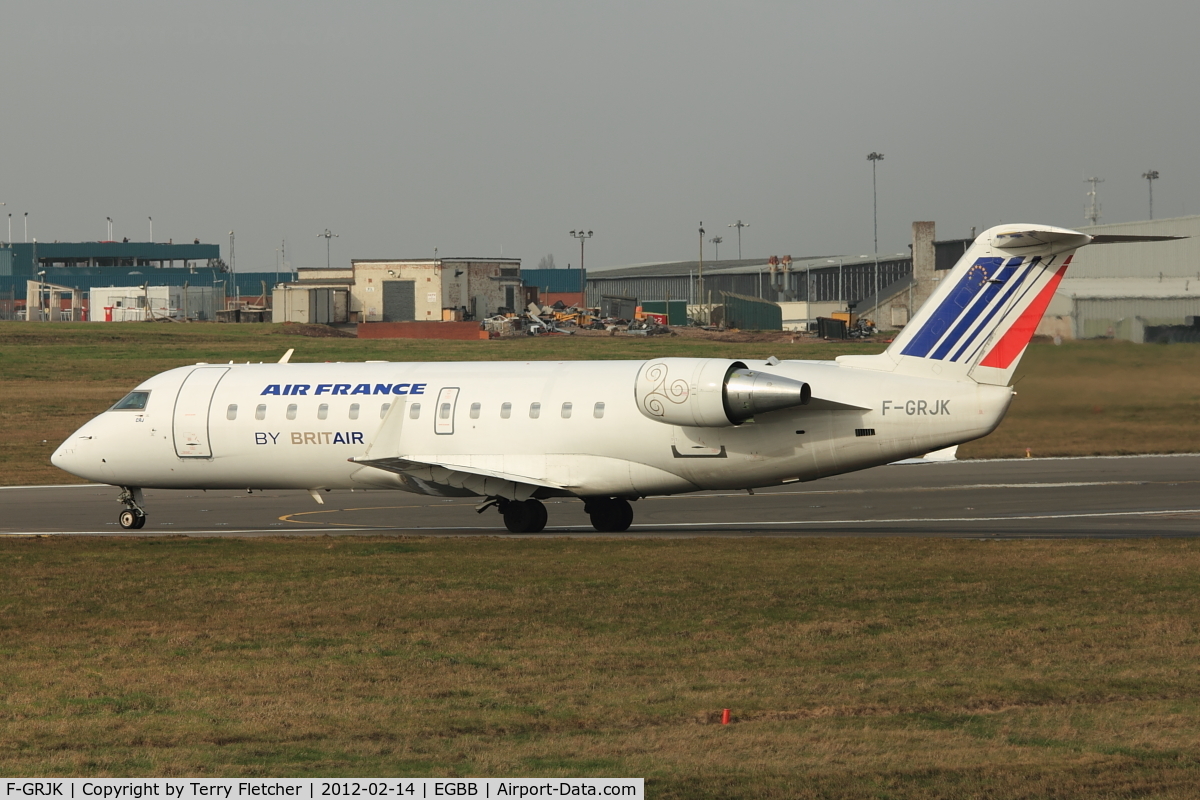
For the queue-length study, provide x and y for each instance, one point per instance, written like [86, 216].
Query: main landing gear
[609, 514]
[134, 516]
[520, 516]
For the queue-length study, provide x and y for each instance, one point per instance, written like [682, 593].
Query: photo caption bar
[314, 788]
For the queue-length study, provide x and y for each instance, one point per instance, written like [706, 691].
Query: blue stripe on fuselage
[952, 307]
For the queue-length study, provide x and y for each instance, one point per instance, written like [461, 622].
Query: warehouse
[1136, 291]
[880, 287]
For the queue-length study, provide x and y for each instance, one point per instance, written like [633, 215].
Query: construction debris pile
[562, 320]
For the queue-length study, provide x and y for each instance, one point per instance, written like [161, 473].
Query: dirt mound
[315, 331]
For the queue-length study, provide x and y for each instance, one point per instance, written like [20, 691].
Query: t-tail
[981, 317]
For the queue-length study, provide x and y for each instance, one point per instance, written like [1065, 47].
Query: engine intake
[712, 392]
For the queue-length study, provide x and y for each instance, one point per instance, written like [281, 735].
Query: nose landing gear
[134, 516]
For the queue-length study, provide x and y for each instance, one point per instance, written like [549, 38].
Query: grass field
[853, 668]
[1080, 398]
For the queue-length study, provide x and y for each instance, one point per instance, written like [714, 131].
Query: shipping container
[751, 313]
[675, 310]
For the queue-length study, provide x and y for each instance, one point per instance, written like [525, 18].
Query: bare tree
[547, 262]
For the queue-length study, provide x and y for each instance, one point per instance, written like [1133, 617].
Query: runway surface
[1086, 497]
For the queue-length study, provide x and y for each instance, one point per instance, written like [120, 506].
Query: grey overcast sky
[489, 128]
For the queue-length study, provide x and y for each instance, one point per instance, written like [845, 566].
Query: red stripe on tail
[1014, 341]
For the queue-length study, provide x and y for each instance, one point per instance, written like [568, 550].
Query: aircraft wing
[445, 472]
[439, 476]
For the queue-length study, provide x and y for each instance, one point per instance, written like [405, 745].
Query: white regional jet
[606, 432]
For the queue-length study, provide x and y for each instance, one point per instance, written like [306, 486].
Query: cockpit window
[134, 401]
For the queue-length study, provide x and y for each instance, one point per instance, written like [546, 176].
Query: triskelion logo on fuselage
[294, 389]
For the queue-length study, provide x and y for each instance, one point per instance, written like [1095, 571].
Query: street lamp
[328, 234]
[581, 235]
[716, 240]
[109, 228]
[151, 229]
[231, 260]
[739, 225]
[1151, 177]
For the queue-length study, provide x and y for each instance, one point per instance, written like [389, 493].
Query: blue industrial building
[85, 265]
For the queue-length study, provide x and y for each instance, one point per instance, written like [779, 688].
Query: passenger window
[414, 411]
[505, 410]
[354, 411]
[474, 410]
[444, 411]
[598, 411]
[291, 412]
[323, 411]
[383, 409]
[231, 412]
[566, 411]
[134, 401]
[261, 412]
[535, 410]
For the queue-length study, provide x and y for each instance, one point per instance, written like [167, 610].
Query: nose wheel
[134, 516]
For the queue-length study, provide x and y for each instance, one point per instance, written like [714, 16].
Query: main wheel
[132, 519]
[610, 514]
[528, 516]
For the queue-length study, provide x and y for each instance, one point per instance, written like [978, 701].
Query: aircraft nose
[73, 456]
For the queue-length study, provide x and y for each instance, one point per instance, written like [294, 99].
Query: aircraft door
[190, 423]
[443, 420]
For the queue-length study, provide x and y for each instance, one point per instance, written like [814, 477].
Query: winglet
[287, 355]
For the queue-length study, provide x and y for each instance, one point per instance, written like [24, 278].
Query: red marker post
[725, 717]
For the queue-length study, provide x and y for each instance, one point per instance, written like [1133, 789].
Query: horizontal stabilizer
[1117, 238]
[1005, 238]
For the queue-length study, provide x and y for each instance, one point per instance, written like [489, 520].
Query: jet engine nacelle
[712, 392]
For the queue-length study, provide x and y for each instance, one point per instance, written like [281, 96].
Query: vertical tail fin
[978, 322]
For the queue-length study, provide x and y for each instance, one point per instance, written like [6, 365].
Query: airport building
[1127, 291]
[65, 273]
[408, 290]
[1143, 291]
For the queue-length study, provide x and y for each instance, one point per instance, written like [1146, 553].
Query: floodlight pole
[739, 225]
[1151, 177]
[708, 311]
[875, 158]
[329, 235]
[582, 236]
